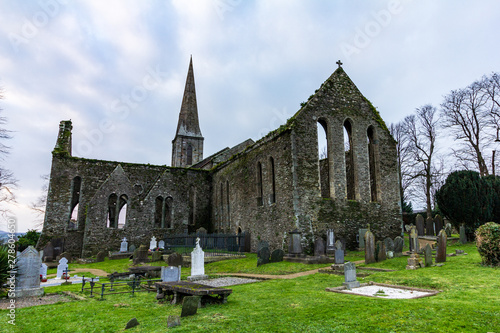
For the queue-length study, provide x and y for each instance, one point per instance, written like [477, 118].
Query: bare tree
[398, 132]
[466, 114]
[421, 133]
[38, 206]
[7, 181]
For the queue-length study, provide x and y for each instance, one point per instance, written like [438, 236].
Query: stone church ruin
[267, 188]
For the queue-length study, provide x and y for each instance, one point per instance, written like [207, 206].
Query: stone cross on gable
[339, 63]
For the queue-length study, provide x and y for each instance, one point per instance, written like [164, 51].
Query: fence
[138, 284]
[212, 244]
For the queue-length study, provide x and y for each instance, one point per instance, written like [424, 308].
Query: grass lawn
[470, 302]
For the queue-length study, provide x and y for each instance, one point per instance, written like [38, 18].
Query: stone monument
[330, 241]
[428, 255]
[28, 274]
[438, 223]
[61, 268]
[361, 238]
[124, 245]
[350, 276]
[441, 247]
[463, 236]
[152, 243]
[339, 253]
[369, 247]
[295, 247]
[398, 246]
[319, 247]
[429, 227]
[419, 221]
[170, 274]
[414, 246]
[197, 263]
[43, 271]
[161, 244]
[380, 254]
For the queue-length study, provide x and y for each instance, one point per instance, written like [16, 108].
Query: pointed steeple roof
[188, 124]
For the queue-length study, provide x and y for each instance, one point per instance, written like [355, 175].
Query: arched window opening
[372, 147]
[76, 184]
[259, 185]
[112, 203]
[272, 196]
[228, 205]
[122, 212]
[323, 164]
[349, 161]
[189, 154]
[159, 212]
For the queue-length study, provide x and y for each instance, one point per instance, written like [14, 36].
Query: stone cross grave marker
[161, 244]
[398, 246]
[43, 270]
[350, 276]
[369, 247]
[28, 273]
[428, 255]
[361, 237]
[419, 221]
[124, 245]
[429, 227]
[63, 265]
[339, 252]
[197, 263]
[152, 243]
[319, 247]
[170, 274]
[330, 241]
[441, 247]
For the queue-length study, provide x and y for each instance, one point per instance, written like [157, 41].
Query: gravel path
[33, 301]
[227, 281]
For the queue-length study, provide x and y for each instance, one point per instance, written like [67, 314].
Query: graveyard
[285, 296]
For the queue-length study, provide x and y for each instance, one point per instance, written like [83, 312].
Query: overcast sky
[124, 63]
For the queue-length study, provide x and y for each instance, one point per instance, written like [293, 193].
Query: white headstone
[124, 245]
[63, 265]
[170, 274]
[43, 270]
[152, 244]
[197, 263]
[28, 273]
[161, 244]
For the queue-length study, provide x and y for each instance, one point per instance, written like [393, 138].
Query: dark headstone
[142, 255]
[429, 227]
[263, 256]
[428, 255]
[201, 231]
[441, 247]
[398, 246]
[438, 223]
[58, 244]
[131, 248]
[67, 256]
[173, 321]
[100, 256]
[277, 255]
[380, 251]
[339, 252]
[463, 236]
[361, 235]
[447, 229]
[319, 247]
[175, 259]
[350, 275]
[190, 305]
[369, 247]
[330, 241]
[419, 221]
[48, 252]
[262, 244]
[389, 244]
[295, 245]
[132, 323]
[155, 256]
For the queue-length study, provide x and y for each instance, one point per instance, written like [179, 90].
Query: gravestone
[170, 274]
[43, 270]
[152, 243]
[419, 221]
[277, 255]
[175, 259]
[361, 238]
[339, 252]
[463, 236]
[142, 255]
[414, 246]
[263, 256]
[131, 248]
[201, 231]
[350, 276]
[438, 223]
[369, 247]
[330, 241]
[389, 244]
[124, 245]
[161, 244]
[100, 256]
[380, 254]
[262, 244]
[441, 247]
[28, 274]
[398, 246]
[414, 261]
[48, 252]
[132, 323]
[429, 227]
[197, 263]
[155, 256]
[295, 248]
[190, 305]
[428, 255]
[319, 247]
[173, 321]
[63, 265]
[408, 227]
[447, 229]
[67, 256]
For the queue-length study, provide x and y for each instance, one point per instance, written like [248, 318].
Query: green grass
[469, 302]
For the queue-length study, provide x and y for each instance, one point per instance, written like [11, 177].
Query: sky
[117, 69]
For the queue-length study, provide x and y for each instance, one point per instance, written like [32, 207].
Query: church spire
[187, 146]
[188, 117]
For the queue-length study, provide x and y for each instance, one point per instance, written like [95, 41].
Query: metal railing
[212, 244]
[138, 284]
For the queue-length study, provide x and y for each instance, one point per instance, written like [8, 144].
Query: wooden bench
[179, 289]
